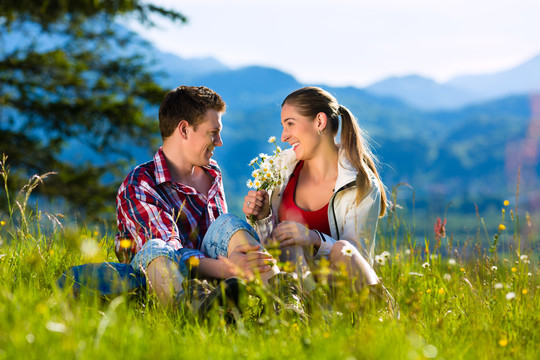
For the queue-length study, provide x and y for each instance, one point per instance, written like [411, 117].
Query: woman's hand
[256, 204]
[289, 233]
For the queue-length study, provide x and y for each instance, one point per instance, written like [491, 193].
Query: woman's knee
[336, 253]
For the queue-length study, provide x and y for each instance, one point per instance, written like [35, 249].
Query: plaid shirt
[150, 205]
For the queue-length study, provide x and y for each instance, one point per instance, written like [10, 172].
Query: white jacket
[354, 223]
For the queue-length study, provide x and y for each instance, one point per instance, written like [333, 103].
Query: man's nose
[217, 140]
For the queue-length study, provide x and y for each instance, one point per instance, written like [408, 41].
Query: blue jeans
[215, 242]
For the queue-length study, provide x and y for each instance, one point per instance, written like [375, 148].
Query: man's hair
[188, 103]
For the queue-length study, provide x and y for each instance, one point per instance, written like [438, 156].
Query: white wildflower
[56, 327]
[408, 251]
[380, 260]
[494, 268]
[529, 274]
[498, 286]
[89, 247]
[451, 261]
[253, 161]
[447, 277]
[347, 250]
[272, 139]
[511, 295]
[425, 265]
[249, 183]
[524, 259]
[385, 255]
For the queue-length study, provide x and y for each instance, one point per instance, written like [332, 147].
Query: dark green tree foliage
[69, 77]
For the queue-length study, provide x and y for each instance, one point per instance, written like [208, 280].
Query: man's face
[201, 142]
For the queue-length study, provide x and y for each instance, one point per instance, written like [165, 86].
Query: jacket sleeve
[359, 225]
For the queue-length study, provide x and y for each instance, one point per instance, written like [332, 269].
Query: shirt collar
[163, 175]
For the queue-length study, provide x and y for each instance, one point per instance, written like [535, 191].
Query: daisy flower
[347, 250]
[272, 139]
[425, 265]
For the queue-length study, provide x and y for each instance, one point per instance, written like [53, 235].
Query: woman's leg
[358, 270]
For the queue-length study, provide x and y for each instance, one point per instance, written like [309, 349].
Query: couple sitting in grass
[172, 214]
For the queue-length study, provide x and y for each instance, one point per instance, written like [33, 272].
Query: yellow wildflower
[441, 291]
[524, 291]
[125, 244]
[506, 202]
[462, 269]
[514, 269]
[428, 291]
[2, 223]
[501, 227]
[193, 262]
[503, 342]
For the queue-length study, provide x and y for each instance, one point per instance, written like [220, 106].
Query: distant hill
[424, 93]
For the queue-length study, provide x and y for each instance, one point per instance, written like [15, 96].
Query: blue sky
[355, 42]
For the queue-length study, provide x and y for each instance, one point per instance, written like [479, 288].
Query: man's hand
[249, 261]
[256, 203]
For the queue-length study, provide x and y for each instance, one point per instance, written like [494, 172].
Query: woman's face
[299, 131]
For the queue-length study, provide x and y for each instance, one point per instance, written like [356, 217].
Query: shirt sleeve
[143, 215]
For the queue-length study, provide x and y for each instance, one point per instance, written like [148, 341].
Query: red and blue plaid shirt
[150, 205]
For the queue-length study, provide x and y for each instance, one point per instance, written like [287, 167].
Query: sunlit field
[470, 297]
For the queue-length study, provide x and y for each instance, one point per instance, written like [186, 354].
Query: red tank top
[288, 210]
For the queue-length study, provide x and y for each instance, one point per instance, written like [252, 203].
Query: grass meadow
[472, 297]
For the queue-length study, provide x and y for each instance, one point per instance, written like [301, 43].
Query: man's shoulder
[141, 173]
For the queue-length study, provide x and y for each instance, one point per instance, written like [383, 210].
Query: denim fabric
[215, 242]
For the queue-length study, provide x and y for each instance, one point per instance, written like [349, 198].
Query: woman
[332, 196]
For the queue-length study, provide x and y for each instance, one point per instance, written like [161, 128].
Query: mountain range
[427, 94]
[458, 153]
[461, 141]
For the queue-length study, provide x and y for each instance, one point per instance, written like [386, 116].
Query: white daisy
[498, 286]
[451, 261]
[253, 161]
[524, 259]
[347, 250]
[447, 277]
[379, 260]
[385, 255]
[425, 265]
[249, 183]
[511, 295]
[272, 139]
[494, 268]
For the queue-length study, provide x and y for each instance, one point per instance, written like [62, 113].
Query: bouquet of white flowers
[265, 175]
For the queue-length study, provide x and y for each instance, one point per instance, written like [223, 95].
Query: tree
[70, 78]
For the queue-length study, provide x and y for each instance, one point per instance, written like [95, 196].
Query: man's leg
[164, 279]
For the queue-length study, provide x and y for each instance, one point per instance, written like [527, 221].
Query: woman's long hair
[313, 100]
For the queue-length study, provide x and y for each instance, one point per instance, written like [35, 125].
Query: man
[172, 213]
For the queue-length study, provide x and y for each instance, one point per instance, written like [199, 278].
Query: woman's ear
[321, 121]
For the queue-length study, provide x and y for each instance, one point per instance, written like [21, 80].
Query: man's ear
[183, 129]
